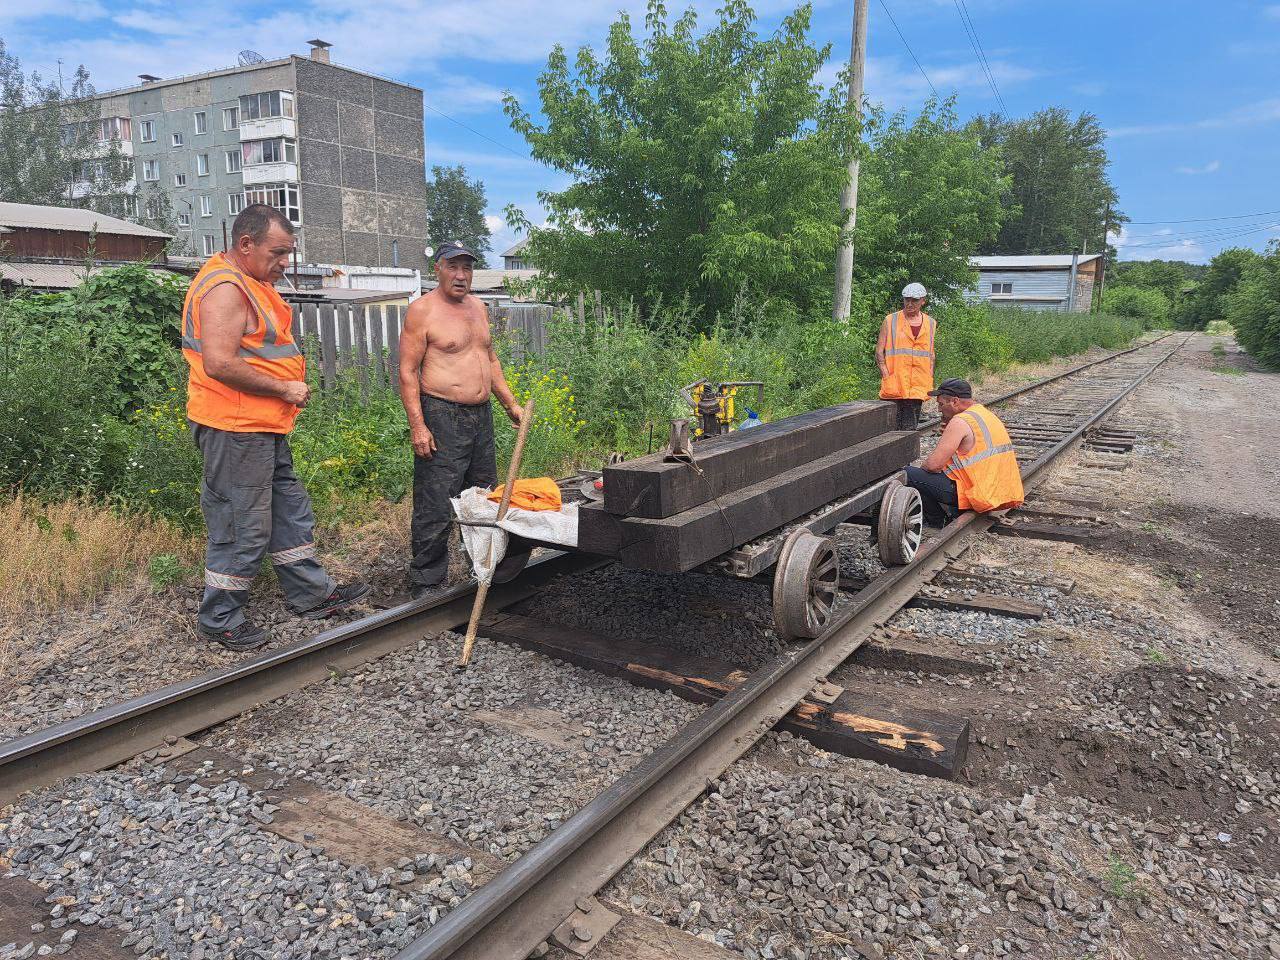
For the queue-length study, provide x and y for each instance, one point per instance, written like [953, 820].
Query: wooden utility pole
[849, 199]
[1102, 264]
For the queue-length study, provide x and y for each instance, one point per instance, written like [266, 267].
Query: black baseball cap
[953, 388]
[447, 251]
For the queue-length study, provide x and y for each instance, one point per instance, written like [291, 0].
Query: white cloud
[494, 223]
[896, 82]
[1150, 247]
[12, 11]
[1250, 114]
[1213, 166]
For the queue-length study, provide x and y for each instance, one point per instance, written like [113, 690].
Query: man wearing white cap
[904, 354]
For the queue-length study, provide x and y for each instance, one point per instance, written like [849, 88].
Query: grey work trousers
[465, 457]
[254, 503]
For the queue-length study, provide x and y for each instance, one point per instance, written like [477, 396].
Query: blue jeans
[937, 494]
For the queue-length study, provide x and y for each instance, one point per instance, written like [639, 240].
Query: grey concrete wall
[361, 158]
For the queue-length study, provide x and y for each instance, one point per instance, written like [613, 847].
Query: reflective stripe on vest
[271, 348]
[989, 449]
[274, 352]
[893, 350]
[909, 365]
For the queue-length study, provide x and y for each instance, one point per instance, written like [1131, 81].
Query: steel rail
[509, 916]
[932, 422]
[115, 733]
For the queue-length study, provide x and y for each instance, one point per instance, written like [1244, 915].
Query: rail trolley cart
[801, 551]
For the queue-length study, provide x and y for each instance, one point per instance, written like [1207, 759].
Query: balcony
[281, 172]
[268, 128]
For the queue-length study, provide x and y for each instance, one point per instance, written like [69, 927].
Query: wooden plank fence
[366, 339]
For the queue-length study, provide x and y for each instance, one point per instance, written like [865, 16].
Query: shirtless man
[448, 369]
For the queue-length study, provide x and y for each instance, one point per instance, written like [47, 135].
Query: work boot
[425, 591]
[244, 636]
[343, 596]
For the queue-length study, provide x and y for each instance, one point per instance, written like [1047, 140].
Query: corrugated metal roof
[516, 250]
[1049, 262]
[53, 276]
[35, 217]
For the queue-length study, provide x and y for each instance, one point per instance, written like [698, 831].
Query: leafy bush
[1253, 308]
[1035, 336]
[1148, 305]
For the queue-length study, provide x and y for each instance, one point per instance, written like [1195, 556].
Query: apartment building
[339, 151]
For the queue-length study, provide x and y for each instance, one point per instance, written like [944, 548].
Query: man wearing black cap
[973, 467]
[448, 370]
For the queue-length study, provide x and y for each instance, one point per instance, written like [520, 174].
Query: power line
[1172, 241]
[1234, 216]
[909, 50]
[976, 44]
[479, 134]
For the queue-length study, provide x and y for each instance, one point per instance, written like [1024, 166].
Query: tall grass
[76, 549]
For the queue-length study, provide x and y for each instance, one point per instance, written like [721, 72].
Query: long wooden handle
[482, 591]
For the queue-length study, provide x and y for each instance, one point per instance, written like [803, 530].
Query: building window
[269, 151]
[154, 208]
[202, 164]
[233, 161]
[202, 122]
[1005, 287]
[235, 203]
[150, 170]
[184, 218]
[177, 139]
[230, 118]
[147, 131]
[208, 244]
[179, 179]
[262, 106]
[206, 206]
[282, 196]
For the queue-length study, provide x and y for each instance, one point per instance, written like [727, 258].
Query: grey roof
[517, 249]
[1037, 262]
[341, 294]
[34, 217]
[54, 276]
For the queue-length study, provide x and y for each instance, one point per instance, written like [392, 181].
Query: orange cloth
[270, 349]
[987, 477]
[909, 359]
[537, 493]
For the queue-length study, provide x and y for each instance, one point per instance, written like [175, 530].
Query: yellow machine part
[726, 413]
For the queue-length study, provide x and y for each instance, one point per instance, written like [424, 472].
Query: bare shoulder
[477, 307]
[225, 303]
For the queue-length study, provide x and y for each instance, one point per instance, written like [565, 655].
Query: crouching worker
[973, 467]
[245, 387]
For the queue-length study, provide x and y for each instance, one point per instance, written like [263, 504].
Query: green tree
[1170, 277]
[1253, 307]
[702, 165]
[1148, 304]
[929, 196]
[455, 209]
[1208, 302]
[1060, 190]
[53, 147]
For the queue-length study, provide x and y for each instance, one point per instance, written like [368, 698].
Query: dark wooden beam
[1048, 531]
[650, 487]
[860, 723]
[899, 650]
[687, 540]
[936, 598]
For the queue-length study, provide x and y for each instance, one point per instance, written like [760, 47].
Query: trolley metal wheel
[901, 525]
[805, 584]
[511, 566]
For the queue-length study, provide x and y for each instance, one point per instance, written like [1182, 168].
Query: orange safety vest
[269, 349]
[909, 359]
[987, 477]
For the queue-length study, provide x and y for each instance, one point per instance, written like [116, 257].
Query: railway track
[520, 907]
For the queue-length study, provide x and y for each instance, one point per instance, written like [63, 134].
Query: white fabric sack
[487, 545]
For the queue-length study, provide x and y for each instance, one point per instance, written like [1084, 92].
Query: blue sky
[1187, 91]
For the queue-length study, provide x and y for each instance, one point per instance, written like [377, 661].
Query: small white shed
[1037, 282]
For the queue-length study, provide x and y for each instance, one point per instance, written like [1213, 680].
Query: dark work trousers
[464, 458]
[254, 503]
[908, 414]
[937, 495]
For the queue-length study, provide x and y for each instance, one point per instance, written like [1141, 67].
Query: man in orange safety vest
[973, 467]
[904, 354]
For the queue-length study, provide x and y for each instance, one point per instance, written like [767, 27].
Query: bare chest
[457, 335]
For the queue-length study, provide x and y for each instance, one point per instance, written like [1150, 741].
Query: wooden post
[482, 591]
[360, 320]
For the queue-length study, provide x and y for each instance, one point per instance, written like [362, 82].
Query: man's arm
[502, 390]
[882, 344]
[413, 347]
[948, 444]
[225, 317]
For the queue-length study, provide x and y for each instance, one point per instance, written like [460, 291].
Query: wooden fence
[367, 338]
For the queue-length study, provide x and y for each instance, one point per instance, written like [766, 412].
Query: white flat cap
[915, 290]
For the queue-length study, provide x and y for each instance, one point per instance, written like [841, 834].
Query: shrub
[1148, 305]
[1253, 309]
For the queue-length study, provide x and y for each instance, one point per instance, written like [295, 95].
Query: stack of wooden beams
[674, 516]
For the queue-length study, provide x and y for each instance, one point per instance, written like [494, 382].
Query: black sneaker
[343, 596]
[246, 636]
[425, 591]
